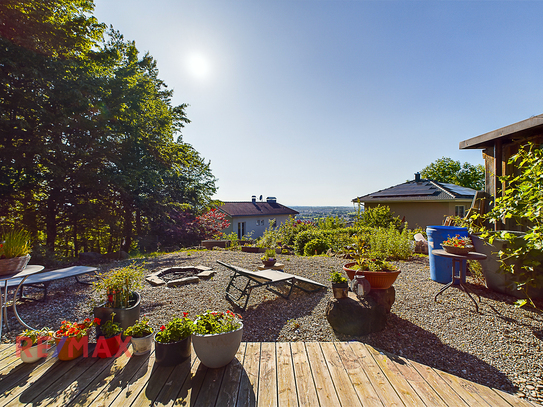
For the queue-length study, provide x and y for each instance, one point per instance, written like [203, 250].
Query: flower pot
[71, 348]
[124, 316]
[14, 264]
[141, 346]
[340, 290]
[458, 250]
[170, 354]
[217, 350]
[108, 347]
[379, 280]
[269, 263]
[34, 353]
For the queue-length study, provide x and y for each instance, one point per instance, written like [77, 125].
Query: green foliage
[116, 286]
[212, 323]
[31, 337]
[14, 243]
[140, 329]
[110, 328]
[521, 202]
[315, 247]
[371, 264]
[389, 243]
[268, 255]
[175, 330]
[337, 278]
[304, 238]
[449, 171]
[285, 234]
[331, 222]
[377, 217]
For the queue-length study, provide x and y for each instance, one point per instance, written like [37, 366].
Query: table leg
[15, 306]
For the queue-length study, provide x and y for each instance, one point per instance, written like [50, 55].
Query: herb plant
[43, 335]
[175, 330]
[140, 329]
[212, 323]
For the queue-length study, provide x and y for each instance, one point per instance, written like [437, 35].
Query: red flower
[97, 321]
[162, 328]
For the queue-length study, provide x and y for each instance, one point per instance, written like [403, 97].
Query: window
[459, 211]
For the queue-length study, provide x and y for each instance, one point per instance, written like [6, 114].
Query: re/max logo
[73, 346]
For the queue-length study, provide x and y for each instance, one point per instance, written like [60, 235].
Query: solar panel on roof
[457, 189]
[407, 190]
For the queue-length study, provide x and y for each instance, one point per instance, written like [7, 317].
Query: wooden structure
[312, 374]
[498, 146]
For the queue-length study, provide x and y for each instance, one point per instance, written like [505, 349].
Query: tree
[447, 170]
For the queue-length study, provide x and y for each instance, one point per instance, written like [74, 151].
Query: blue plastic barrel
[441, 267]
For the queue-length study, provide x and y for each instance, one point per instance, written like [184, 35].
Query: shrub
[315, 246]
[286, 233]
[304, 238]
[389, 243]
[377, 217]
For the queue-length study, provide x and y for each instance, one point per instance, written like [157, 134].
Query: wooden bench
[265, 278]
[43, 279]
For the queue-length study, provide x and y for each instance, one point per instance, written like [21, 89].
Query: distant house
[254, 216]
[498, 146]
[422, 202]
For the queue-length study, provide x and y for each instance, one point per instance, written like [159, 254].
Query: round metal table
[459, 271]
[28, 271]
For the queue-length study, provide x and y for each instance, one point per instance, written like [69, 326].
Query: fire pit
[176, 276]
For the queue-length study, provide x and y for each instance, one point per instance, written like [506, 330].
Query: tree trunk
[127, 218]
[51, 222]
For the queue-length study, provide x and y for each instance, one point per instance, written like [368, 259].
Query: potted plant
[268, 259]
[340, 285]
[110, 339]
[380, 274]
[72, 338]
[458, 245]
[14, 251]
[172, 342]
[117, 294]
[216, 337]
[141, 336]
[33, 345]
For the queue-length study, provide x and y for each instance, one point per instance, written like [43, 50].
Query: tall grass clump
[389, 243]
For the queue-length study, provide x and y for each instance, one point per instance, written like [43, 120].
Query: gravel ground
[501, 346]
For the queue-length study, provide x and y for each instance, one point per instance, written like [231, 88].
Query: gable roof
[269, 208]
[421, 190]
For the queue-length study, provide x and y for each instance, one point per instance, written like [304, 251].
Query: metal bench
[43, 279]
[264, 278]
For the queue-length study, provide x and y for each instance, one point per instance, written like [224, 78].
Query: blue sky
[317, 102]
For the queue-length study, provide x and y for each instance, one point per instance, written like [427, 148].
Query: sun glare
[198, 66]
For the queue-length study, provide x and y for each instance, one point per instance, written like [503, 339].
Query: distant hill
[315, 212]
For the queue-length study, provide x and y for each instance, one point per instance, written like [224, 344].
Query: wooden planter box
[210, 244]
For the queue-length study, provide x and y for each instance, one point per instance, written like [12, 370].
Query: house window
[241, 230]
[459, 211]
[258, 222]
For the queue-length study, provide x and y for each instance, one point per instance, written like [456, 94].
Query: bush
[304, 238]
[389, 243]
[286, 233]
[315, 246]
[377, 217]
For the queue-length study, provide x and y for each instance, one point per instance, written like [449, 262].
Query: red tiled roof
[255, 209]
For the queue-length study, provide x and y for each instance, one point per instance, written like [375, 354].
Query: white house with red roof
[254, 216]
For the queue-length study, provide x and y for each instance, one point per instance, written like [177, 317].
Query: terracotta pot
[14, 264]
[341, 290]
[269, 263]
[217, 350]
[141, 346]
[71, 348]
[379, 280]
[458, 250]
[170, 354]
[108, 347]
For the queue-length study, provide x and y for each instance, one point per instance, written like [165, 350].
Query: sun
[199, 66]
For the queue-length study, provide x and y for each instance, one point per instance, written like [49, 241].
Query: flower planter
[379, 280]
[141, 346]
[34, 353]
[217, 350]
[108, 347]
[269, 263]
[340, 290]
[14, 264]
[71, 348]
[250, 249]
[210, 244]
[124, 316]
[170, 354]
[458, 250]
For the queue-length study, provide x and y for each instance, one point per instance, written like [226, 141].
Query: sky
[316, 102]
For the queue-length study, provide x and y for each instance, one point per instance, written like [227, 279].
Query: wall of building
[256, 225]
[422, 214]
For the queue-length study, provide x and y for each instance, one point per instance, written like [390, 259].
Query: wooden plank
[342, 383]
[305, 386]
[417, 382]
[110, 382]
[248, 387]
[267, 380]
[160, 375]
[286, 382]
[380, 383]
[326, 391]
[228, 393]
[6, 350]
[132, 389]
[400, 384]
[209, 390]
[358, 377]
[449, 396]
[180, 373]
[189, 392]
[514, 400]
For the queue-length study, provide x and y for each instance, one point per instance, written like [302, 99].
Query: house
[422, 202]
[498, 146]
[254, 216]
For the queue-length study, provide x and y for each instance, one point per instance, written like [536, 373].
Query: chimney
[417, 177]
[271, 199]
[253, 199]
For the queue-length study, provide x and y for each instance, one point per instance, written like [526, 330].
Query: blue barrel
[441, 267]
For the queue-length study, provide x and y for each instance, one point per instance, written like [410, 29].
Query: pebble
[495, 347]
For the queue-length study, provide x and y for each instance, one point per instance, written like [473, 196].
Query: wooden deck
[263, 374]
